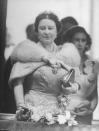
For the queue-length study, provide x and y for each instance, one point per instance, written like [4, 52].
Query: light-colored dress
[41, 85]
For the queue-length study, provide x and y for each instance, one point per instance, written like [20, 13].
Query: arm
[87, 107]
[93, 98]
[22, 113]
[19, 93]
[89, 83]
[87, 79]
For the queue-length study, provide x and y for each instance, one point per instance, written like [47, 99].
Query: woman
[40, 69]
[81, 39]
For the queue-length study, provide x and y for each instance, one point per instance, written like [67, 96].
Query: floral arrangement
[47, 116]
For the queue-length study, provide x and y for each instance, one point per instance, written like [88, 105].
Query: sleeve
[20, 70]
[88, 80]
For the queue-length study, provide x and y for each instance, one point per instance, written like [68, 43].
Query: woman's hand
[82, 112]
[23, 114]
[70, 88]
[82, 109]
[55, 63]
[90, 70]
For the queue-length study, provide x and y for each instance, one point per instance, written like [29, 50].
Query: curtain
[3, 9]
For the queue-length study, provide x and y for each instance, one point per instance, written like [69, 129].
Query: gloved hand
[82, 109]
[70, 88]
[23, 114]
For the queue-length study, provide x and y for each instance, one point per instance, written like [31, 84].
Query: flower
[35, 117]
[49, 116]
[72, 121]
[61, 119]
[50, 119]
[68, 115]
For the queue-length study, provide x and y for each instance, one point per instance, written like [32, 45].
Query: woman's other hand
[70, 88]
[82, 109]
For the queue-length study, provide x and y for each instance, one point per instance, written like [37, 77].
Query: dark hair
[66, 22]
[31, 34]
[47, 15]
[68, 35]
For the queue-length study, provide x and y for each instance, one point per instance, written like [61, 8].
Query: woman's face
[47, 31]
[79, 39]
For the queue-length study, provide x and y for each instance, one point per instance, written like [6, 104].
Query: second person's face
[47, 31]
[80, 41]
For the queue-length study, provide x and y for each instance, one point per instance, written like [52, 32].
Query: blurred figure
[9, 45]
[66, 23]
[31, 34]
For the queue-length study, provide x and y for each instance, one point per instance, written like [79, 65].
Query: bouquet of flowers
[36, 114]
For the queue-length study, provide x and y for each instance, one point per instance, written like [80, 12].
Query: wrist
[20, 105]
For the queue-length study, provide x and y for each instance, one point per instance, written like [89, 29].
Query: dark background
[3, 13]
[7, 103]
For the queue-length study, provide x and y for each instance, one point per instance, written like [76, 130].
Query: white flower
[51, 122]
[75, 122]
[37, 113]
[29, 106]
[68, 115]
[72, 122]
[49, 116]
[35, 117]
[61, 119]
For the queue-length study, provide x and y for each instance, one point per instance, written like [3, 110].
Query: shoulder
[69, 45]
[71, 48]
[22, 49]
[24, 45]
[26, 42]
[70, 52]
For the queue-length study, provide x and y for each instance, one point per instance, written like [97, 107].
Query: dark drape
[7, 103]
[3, 12]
